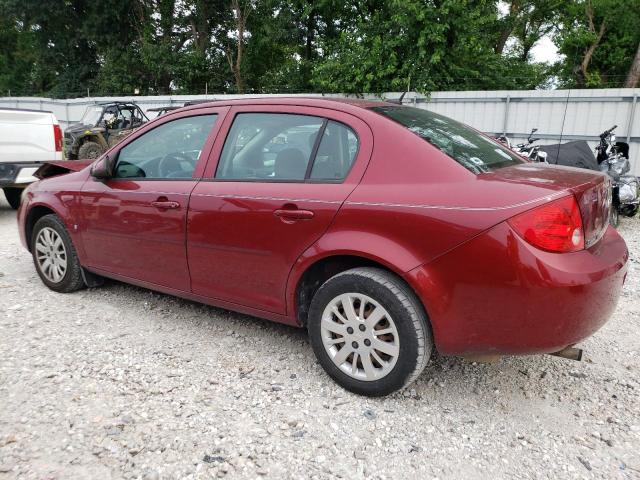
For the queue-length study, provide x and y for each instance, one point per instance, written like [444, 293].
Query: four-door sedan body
[385, 230]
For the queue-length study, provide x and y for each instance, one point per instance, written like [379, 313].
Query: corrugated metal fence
[559, 115]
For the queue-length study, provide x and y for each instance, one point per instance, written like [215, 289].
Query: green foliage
[615, 50]
[66, 47]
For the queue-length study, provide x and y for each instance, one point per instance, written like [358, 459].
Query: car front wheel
[369, 331]
[54, 256]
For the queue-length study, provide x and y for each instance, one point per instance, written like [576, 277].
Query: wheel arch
[311, 271]
[92, 137]
[35, 213]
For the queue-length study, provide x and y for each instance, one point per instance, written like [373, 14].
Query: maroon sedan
[386, 231]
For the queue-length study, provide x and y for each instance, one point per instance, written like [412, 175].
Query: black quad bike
[102, 126]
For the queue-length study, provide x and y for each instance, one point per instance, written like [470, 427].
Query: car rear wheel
[369, 331]
[89, 151]
[13, 195]
[54, 256]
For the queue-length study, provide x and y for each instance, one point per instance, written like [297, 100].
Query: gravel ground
[121, 382]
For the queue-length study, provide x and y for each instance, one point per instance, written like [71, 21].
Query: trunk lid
[592, 191]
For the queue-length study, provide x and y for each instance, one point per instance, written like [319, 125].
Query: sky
[545, 51]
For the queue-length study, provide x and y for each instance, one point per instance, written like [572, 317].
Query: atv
[102, 126]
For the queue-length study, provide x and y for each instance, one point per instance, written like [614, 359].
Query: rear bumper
[497, 294]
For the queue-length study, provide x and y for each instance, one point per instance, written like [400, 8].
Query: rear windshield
[470, 149]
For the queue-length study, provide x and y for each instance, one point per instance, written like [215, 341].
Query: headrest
[290, 164]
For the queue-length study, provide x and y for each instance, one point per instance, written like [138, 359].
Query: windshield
[469, 148]
[91, 115]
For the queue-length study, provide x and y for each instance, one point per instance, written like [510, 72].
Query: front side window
[470, 149]
[170, 150]
[286, 147]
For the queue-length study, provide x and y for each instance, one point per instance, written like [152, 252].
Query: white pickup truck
[27, 139]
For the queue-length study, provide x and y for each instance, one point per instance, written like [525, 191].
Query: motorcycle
[527, 149]
[613, 159]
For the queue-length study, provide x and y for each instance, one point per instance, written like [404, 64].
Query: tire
[89, 151]
[70, 279]
[402, 317]
[13, 195]
[629, 210]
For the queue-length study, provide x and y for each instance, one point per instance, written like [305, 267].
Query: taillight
[595, 206]
[555, 226]
[57, 137]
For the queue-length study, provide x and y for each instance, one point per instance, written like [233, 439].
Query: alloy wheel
[360, 336]
[51, 254]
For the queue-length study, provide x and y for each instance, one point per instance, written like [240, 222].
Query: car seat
[290, 164]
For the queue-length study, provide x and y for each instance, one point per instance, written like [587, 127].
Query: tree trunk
[236, 63]
[510, 23]
[633, 77]
[580, 71]
[310, 26]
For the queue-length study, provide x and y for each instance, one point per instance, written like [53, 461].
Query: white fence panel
[559, 115]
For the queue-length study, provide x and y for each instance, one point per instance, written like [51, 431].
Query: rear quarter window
[469, 148]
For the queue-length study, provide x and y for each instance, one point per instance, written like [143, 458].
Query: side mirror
[533, 130]
[104, 168]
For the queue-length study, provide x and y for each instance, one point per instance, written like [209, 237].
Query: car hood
[53, 169]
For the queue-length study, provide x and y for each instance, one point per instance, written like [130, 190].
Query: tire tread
[74, 281]
[411, 303]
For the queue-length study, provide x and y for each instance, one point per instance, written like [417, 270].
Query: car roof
[339, 103]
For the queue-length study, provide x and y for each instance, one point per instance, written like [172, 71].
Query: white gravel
[121, 382]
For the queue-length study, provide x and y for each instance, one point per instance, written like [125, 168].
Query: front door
[282, 175]
[134, 223]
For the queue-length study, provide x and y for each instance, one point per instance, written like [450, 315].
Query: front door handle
[287, 214]
[164, 204]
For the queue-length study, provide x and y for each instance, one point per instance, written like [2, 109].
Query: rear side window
[470, 149]
[286, 147]
[269, 146]
[336, 152]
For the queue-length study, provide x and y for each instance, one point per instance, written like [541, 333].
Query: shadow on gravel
[448, 376]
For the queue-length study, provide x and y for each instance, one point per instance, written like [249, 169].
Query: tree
[421, 45]
[599, 39]
[633, 77]
[235, 48]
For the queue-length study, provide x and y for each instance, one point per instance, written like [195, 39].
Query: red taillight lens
[555, 226]
[57, 137]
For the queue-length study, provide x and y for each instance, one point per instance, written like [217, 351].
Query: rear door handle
[165, 204]
[287, 214]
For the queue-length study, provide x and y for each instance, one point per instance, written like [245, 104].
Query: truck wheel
[13, 195]
[369, 331]
[54, 256]
[89, 151]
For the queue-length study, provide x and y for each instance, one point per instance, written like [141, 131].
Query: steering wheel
[172, 163]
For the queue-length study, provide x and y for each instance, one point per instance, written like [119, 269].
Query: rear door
[134, 224]
[282, 174]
